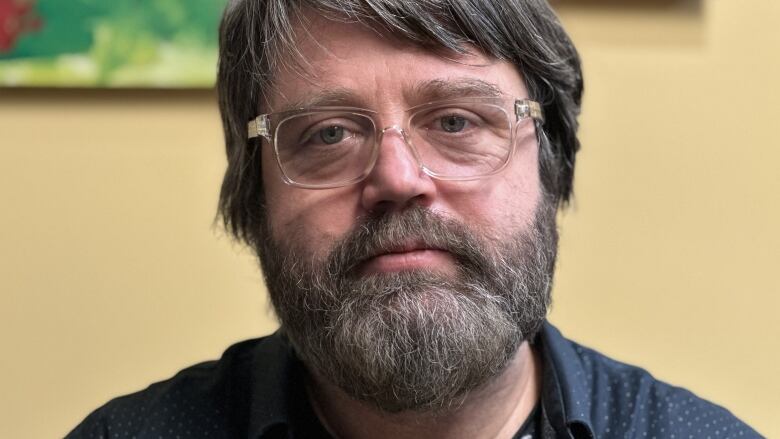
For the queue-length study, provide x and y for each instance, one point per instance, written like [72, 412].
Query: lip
[406, 257]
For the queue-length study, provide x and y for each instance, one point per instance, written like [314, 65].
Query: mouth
[408, 257]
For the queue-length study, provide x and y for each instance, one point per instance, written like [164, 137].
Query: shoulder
[203, 400]
[640, 403]
[620, 400]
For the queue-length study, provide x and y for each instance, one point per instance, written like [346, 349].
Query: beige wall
[112, 276]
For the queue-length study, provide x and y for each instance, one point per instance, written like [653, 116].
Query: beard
[417, 340]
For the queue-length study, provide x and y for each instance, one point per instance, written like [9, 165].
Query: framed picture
[117, 43]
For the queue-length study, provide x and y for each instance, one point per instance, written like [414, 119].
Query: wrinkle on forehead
[311, 32]
[417, 93]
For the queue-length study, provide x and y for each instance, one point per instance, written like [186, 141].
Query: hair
[257, 37]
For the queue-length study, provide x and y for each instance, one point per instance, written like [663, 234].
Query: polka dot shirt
[256, 390]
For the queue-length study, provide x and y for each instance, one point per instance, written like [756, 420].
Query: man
[399, 178]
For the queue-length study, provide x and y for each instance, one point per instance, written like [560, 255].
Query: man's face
[389, 77]
[404, 290]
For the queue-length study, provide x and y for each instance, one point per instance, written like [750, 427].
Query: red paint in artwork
[16, 18]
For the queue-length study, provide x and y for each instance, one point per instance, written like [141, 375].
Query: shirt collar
[276, 386]
[279, 393]
[566, 393]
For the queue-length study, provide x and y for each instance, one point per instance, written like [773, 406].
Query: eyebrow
[422, 92]
[333, 97]
[438, 89]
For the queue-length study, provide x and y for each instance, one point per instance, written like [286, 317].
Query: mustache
[417, 227]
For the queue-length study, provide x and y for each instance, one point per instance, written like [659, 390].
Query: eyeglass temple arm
[258, 127]
[527, 108]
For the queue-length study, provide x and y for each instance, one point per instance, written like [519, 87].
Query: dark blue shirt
[257, 390]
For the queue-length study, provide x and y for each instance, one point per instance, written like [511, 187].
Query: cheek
[310, 220]
[504, 203]
[523, 177]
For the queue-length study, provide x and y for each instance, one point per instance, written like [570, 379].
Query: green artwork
[109, 43]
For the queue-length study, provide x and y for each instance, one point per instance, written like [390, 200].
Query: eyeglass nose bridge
[407, 141]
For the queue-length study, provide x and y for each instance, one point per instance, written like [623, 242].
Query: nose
[397, 179]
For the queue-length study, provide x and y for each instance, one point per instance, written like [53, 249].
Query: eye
[452, 123]
[329, 134]
[332, 134]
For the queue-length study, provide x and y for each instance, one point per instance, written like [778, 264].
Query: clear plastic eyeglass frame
[265, 125]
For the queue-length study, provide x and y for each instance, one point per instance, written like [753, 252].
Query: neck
[496, 410]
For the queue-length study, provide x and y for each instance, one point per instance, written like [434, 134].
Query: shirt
[257, 390]
[529, 428]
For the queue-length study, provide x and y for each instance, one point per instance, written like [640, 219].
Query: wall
[112, 274]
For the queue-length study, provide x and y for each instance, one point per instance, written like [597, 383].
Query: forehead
[351, 63]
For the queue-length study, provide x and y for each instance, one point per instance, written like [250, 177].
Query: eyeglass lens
[453, 141]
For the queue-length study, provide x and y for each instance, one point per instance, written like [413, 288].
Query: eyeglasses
[328, 147]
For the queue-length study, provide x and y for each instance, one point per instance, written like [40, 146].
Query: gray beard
[418, 340]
